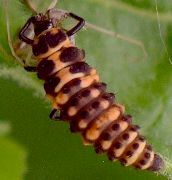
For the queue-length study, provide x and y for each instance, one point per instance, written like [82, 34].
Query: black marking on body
[116, 126]
[51, 84]
[72, 54]
[40, 26]
[48, 40]
[89, 113]
[41, 47]
[127, 118]
[85, 92]
[106, 136]
[80, 67]
[117, 145]
[123, 161]
[129, 153]
[114, 129]
[98, 148]
[82, 95]
[125, 136]
[111, 156]
[147, 155]
[70, 85]
[45, 68]
[135, 146]
[54, 40]
[111, 153]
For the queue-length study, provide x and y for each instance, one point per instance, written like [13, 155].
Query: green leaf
[12, 157]
[142, 84]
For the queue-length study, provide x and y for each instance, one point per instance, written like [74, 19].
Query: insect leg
[79, 25]
[118, 36]
[30, 68]
[53, 115]
[22, 35]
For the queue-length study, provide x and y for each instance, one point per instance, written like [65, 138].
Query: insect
[77, 93]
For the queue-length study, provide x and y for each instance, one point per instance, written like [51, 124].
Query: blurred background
[32, 147]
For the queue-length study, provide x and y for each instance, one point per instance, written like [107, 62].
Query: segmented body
[75, 89]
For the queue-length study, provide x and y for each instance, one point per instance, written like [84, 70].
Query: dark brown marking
[123, 161]
[47, 39]
[74, 126]
[135, 146]
[84, 114]
[76, 82]
[35, 49]
[54, 40]
[142, 162]
[117, 145]
[95, 104]
[111, 155]
[115, 126]
[149, 147]
[142, 138]
[41, 25]
[74, 101]
[90, 114]
[67, 87]
[65, 90]
[100, 85]
[147, 155]
[106, 136]
[134, 128]
[51, 84]
[80, 67]
[85, 93]
[41, 47]
[129, 153]
[98, 148]
[127, 118]
[81, 96]
[108, 96]
[72, 54]
[45, 68]
[125, 136]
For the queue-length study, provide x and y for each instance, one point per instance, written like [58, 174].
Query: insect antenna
[21, 61]
[33, 8]
[53, 4]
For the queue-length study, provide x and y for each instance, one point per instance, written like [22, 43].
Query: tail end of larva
[158, 164]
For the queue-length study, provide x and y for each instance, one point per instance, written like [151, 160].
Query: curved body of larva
[75, 89]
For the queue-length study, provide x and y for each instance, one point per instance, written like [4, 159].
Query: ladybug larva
[79, 95]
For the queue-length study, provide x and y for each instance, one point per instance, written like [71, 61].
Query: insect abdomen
[75, 89]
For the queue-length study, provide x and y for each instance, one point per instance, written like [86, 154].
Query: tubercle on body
[76, 91]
